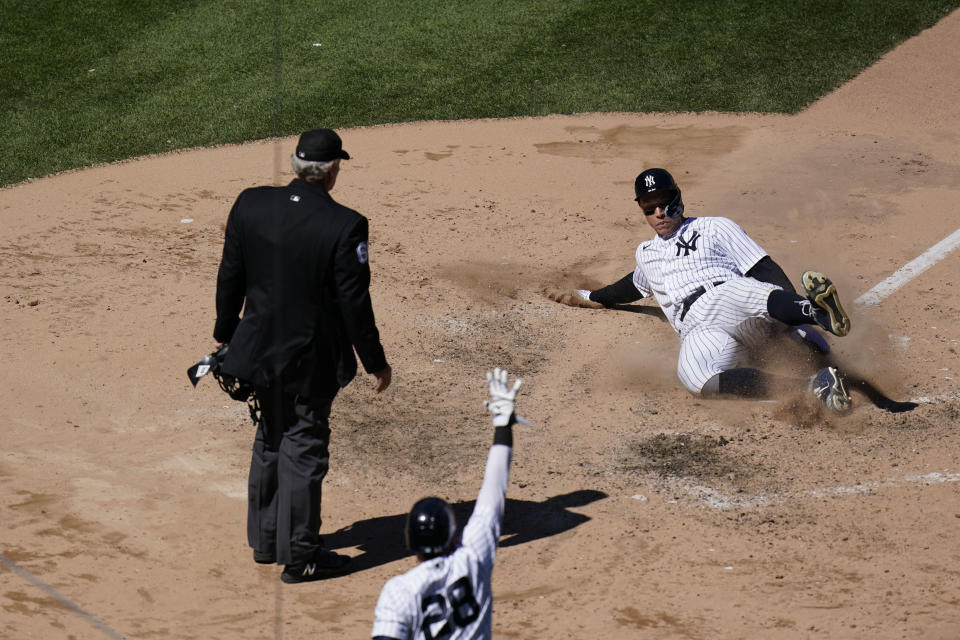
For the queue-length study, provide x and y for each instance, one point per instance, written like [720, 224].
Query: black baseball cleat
[264, 557]
[325, 564]
[828, 386]
[822, 294]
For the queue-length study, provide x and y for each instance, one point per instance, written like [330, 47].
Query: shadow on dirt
[381, 539]
[653, 312]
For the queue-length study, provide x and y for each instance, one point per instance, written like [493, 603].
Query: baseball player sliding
[448, 594]
[724, 295]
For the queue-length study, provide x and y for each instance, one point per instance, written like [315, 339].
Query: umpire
[298, 260]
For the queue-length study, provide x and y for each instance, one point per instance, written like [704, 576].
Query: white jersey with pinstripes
[730, 318]
[449, 597]
[700, 252]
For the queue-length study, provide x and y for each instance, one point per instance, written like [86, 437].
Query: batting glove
[584, 293]
[502, 396]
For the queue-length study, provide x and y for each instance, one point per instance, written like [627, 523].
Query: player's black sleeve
[619, 292]
[766, 270]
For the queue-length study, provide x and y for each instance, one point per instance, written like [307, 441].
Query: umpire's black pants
[290, 460]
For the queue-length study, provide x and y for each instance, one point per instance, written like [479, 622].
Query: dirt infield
[635, 509]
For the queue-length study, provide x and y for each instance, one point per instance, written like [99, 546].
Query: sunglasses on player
[650, 206]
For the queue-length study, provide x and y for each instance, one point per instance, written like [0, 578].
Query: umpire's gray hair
[311, 169]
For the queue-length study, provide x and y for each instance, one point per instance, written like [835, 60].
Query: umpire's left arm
[231, 280]
[352, 277]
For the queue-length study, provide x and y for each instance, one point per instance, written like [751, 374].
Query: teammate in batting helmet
[659, 180]
[430, 527]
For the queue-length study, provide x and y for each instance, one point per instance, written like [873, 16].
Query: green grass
[103, 80]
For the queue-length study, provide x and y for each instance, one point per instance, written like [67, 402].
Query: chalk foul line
[66, 602]
[718, 500]
[911, 270]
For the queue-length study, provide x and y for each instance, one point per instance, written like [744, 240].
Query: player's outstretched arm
[620, 292]
[491, 500]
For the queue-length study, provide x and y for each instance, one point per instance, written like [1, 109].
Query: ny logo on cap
[649, 181]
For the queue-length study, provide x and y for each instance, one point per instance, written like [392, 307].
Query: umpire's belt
[693, 297]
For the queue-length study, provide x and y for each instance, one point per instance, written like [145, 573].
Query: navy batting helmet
[430, 527]
[660, 180]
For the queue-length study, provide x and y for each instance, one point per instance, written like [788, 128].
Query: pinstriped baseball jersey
[730, 317]
[449, 596]
[700, 252]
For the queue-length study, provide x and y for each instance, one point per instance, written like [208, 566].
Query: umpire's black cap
[654, 180]
[321, 145]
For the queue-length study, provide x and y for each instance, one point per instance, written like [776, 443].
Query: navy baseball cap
[653, 180]
[321, 145]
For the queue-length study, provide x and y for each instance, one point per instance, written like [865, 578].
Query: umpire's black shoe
[325, 564]
[264, 557]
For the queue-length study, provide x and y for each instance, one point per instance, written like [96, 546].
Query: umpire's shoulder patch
[362, 254]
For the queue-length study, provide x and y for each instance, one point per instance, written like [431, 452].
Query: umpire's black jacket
[299, 259]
